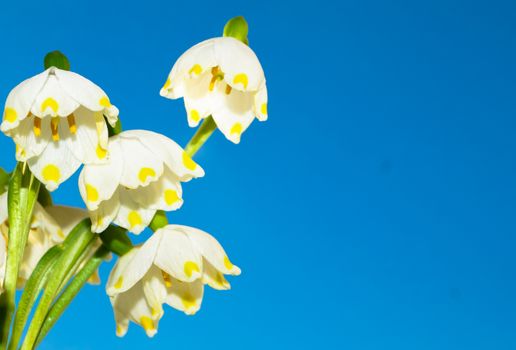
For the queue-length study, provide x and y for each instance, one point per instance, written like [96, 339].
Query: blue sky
[374, 210]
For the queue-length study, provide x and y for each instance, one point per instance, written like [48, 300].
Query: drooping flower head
[221, 77]
[171, 267]
[49, 226]
[56, 120]
[143, 174]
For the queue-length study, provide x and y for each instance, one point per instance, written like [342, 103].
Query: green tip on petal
[237, 28]
[57, 59]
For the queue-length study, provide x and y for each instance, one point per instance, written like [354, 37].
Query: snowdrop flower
[143, 175]
[56, 120]
[221, 77]
[49, 226]
[171, 267]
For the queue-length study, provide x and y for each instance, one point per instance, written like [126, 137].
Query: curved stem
[72, 290]
[76, 243]
[33, 287]
[202, 135]
[22, 195]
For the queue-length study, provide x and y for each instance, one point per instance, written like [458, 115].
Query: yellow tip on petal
[92, 195]
[188, 162]
[196, 69]
[101, 152]
[145, 173]
[236, 129]
[194, 115]
[104, 102]
[167, 84]
[227, 263]
[189, 303]
[167, 279]
[50, 103]
[51, 173]
[119, 282]
[264, 109]
[147, 324]
[10, 115]
[134, 219]
[241, 78]
[171, 197]
[190, 267]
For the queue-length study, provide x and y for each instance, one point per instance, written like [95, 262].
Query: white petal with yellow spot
[171, 267]
[221, 77]
[143, 174]
[56, 120]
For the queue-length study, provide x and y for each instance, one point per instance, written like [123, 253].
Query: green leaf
[56, 59]
[237, 28]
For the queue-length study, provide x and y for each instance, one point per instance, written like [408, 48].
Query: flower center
[218, 75]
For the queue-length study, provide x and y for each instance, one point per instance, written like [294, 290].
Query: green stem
[76, 243]
[22, 195]
[72, 290]
[158, 221]
[202, 135]
[33, 287]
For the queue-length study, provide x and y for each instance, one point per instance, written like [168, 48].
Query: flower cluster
[60, 121]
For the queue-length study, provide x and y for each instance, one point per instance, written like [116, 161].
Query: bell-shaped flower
[56, 120]
[170, 267]
[143, 174]
[221, 77]
[49, 226]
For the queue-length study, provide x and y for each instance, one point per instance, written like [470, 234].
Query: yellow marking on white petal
[196, 69]
[145, 173]
[20, 151]
[171, 197]
[212, 83]
[227, 263]
[188, 162]
[154, 311]
[119, 282]
[167, 84]
[220, 280]
[71, 123]
[101, 152]
[54, 127]
[60, 233]
[50, 103]
[92, 195]
[147, 323]
[241, 78]
[194, 115]
[37, 126]
[190, 267]
[119, 330]
[104, 102]
[134, 219]
[228, 89]
[51, 173]
[167, 279]
[264, 109]
[189, 302]
[236, 129]
[10, 115]
[100, 220]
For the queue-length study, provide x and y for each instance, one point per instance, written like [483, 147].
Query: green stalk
[202, 135]
[76, 243]
[33, 287]
[22, 195]
[72, 290]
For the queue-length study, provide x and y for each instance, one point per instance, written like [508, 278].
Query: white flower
[49, 226]
[143, 175]
[221, 77]
[56, 119]
[171, 267]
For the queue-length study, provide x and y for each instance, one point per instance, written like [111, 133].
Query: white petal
[52, 100]
[141, 166]
[98, 182]
[131, 267]
[214, 278]
[164, 194]
[3, 256]
[21, 99]
[199, 100]
[210, 248]
[242, 69]
[28, 143]
[169, 152]
[131, 215]
[196, 60]
[260, 104]
[55, 165]
[155, 291]
[177, 256]
[66, 217]
[3, 207]
[185, 296]
[105, 214]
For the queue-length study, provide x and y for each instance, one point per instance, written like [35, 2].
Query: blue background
[376, 207]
